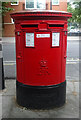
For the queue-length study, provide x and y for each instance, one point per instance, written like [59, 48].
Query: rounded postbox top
[41, 13]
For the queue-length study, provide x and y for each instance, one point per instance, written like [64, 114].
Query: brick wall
[9, 27]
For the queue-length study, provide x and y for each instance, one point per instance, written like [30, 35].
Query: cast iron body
[41, 43]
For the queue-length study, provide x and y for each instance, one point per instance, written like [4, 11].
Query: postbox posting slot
[55, 26]
[29, 26]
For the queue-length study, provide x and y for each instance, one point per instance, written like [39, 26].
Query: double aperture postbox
[41, 43]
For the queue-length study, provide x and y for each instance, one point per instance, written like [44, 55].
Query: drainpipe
[50, 4]
[2, 86]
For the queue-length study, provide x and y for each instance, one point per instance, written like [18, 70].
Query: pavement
[10, 109]
[73, 38]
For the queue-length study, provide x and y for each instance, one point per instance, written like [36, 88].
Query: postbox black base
[37, 97]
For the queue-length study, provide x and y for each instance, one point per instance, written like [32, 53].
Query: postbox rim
[42, 13]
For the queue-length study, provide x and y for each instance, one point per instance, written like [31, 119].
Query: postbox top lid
[41, 13]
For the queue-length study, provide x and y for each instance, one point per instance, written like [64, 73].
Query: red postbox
[41, 43]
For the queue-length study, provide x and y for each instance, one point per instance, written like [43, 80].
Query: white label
[43, 35]
[30, 39]
[55, 39]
